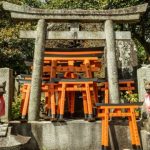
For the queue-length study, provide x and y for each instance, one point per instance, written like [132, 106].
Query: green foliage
[33, 3]
[15, 111]
[122, 3]
[129, 97]
[76, 4]
[142, 58]
[14, 51]
[19, 2]
[90, 4]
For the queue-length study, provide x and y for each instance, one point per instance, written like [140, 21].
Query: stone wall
[6, 74]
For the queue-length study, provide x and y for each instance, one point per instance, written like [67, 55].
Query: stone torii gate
[128, 15]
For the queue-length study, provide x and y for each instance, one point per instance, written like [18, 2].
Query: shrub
[15, 111]
[129, 97]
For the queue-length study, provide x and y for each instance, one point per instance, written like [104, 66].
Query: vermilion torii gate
[128, 15]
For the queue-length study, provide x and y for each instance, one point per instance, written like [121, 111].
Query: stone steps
[3, 130]
[8, 141]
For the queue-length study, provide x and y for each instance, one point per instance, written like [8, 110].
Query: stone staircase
[3, 130]
[9, 141]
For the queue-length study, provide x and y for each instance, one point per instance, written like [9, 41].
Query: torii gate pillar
[112, 72]
[35, 96]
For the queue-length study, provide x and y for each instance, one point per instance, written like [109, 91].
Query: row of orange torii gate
[47, 64]
[64, 74]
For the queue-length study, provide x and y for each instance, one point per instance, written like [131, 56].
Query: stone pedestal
[6, 74]
[71, 135]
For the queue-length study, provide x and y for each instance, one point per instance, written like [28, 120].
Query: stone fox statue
[146, 101]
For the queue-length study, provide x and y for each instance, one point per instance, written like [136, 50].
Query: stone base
[71, 135]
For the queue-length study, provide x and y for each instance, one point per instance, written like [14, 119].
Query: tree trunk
[35, 96]
[145, 44]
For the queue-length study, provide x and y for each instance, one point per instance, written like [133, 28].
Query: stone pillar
[112, 72]
[143, 73]
[35, 96]
[6, 74]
